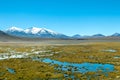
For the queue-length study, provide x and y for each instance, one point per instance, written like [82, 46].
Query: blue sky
[84, 17]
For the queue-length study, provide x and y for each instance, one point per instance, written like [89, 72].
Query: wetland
[93, 61]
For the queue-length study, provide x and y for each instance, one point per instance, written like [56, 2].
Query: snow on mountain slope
[12, 29]
[32, 30]
[35, 32]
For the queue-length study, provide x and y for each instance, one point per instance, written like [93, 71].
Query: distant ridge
[76, 36]
[4, 37]
[116, 35]
[98, 35]
[35, 32]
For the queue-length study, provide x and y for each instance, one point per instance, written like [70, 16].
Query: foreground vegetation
[28, 69]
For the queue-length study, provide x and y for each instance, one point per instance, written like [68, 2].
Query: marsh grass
[27, 69]
[91, 53]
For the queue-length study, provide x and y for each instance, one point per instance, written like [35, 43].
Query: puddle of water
[110, 50]
[116, 57]
[79, 67]
[82, 67]
[10, 70]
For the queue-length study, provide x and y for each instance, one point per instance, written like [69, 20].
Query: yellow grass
[27, 69]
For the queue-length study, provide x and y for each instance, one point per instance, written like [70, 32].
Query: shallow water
[67, 66]
[10, 70]
[116, 57]
[81, 67]
[110, 50]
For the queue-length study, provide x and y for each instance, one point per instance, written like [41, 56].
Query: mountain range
[35, 32]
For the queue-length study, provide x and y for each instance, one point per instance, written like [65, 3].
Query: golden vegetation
[27, 69]
[89, 53]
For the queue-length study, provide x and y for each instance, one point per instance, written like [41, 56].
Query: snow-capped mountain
[12, 29]
[16, 32]
[34, 32]
[116, 35]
